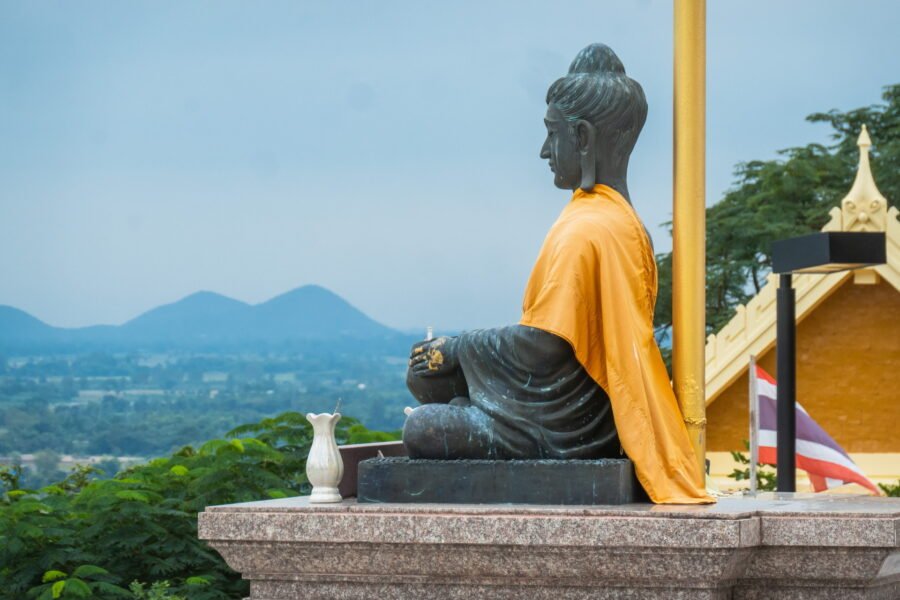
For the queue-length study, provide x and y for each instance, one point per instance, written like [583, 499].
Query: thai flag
[826, 463]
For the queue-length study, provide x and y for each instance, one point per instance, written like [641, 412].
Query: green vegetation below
[84, 537]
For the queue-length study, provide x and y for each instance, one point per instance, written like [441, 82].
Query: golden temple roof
[752, 329]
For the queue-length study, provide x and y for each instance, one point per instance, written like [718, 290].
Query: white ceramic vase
[324, 467]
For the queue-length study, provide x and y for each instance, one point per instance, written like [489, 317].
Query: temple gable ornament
[752, 329]
[864, 208]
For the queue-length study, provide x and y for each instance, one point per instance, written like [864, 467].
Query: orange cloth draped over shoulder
[594, 284]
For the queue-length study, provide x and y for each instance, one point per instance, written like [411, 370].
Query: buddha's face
[561, 149]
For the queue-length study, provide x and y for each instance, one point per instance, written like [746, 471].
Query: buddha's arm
[538, 350]
[517, 350]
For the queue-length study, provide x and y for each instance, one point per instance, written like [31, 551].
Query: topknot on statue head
[598, 91]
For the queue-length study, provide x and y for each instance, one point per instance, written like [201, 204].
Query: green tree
[890, 489]
[87, 537]
[86, 581]
[782, 198]
[108, 467]
[766, 476]
[159, 590]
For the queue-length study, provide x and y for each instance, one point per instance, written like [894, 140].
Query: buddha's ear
[585, 136]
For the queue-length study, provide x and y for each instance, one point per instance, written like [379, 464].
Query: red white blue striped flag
[826, 463]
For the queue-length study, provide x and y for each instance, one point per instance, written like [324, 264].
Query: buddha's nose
[545, 149]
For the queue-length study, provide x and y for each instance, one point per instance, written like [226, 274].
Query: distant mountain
[316, 311]
[200, 317]
[17, 326]
[207, 321]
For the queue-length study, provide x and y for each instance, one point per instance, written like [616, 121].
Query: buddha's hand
[434, 357]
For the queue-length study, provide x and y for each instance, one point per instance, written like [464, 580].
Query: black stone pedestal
[585, 482]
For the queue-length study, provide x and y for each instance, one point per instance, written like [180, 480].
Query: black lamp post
[825, 252]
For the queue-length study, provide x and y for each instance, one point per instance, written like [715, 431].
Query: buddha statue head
[594, 116]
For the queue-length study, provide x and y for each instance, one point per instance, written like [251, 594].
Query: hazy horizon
[214, 293]
[387, 152]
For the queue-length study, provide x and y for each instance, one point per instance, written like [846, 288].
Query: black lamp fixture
[829, 252]
[824, 252]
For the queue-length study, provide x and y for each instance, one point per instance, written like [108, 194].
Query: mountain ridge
[207, 319]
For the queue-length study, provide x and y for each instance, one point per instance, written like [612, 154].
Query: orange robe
[594, 285]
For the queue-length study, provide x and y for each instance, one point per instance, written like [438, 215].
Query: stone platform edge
[773, 546]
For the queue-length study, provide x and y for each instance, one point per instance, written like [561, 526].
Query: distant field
[117, 409]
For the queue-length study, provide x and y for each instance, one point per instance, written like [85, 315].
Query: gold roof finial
[864, 208]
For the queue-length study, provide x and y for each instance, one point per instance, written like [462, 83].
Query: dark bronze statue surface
[518, 392]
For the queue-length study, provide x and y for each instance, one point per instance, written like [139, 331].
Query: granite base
[776, 546]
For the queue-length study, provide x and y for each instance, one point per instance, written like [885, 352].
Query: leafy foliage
[86, 537]
[890, 490]
[86, 581]
[159, 590]
[782, 198]
[766, 478]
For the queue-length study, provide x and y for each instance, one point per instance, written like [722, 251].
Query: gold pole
[689, 221]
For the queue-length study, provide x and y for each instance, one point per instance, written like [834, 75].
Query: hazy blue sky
[386, 150]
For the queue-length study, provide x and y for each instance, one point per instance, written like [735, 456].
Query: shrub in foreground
[89, 538]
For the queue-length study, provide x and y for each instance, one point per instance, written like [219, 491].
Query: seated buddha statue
[580, 376]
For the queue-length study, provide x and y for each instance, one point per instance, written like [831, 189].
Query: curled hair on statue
[598, 91]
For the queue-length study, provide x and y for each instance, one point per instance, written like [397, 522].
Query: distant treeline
[148, 405]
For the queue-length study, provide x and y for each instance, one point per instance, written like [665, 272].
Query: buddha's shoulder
[596, 220]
